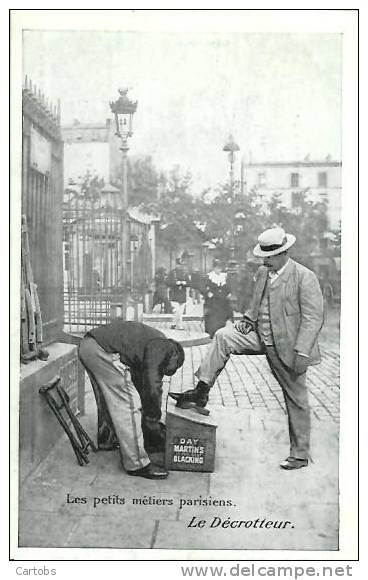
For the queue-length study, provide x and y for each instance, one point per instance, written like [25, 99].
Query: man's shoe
[193, 407]
[108, 446]
[199, 395]
[293, 463]
[150, 471]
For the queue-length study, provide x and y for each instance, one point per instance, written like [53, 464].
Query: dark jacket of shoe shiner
[126, 362]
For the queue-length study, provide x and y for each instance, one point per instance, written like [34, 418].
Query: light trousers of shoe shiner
[229, 341]
[178, 314]
[112, 379]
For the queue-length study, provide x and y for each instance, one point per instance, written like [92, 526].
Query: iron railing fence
[95, 283]
[42, 195]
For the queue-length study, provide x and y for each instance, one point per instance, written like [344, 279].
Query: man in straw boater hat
[283, 322]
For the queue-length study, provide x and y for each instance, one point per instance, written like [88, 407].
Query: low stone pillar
[39, 429]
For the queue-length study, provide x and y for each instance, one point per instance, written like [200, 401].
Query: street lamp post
[232, 265]
[205, 246]
[230, 147]
[123, 109]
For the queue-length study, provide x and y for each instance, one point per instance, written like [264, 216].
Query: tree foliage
[143, 181]
[87, 188]
[231, 220]
[228, 219]
[177, 209]
[307, 221]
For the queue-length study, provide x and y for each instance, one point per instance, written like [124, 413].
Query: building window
[294, 180]
[322, 179]
[296, 199]
[261, 179]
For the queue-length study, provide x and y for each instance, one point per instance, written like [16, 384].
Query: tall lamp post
[207, 246]
[123, 109]
[232, 265]
[231, 147]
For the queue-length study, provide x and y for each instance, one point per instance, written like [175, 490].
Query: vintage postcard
[184, 208]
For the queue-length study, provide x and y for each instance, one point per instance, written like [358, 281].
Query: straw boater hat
[272, 242]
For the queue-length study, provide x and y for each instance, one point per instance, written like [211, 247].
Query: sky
[279, 95]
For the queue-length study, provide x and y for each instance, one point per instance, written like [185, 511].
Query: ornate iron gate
[95, 284]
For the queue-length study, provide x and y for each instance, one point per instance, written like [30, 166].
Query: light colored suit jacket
[296, 311]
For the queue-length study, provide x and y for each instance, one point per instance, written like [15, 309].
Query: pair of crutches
[79, 439]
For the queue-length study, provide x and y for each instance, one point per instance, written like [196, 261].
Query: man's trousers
[178, 314]
[229, 341]
[117, 396]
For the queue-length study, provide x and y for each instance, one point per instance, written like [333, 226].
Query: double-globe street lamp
[123, 109]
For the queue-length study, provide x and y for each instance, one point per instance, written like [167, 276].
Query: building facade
[320, 181]
[92, 148]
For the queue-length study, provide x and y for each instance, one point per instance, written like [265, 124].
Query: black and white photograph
[177, 231]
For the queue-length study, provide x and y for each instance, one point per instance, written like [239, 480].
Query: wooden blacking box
[190, 440]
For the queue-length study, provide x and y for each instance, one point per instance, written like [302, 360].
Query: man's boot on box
[195, 399]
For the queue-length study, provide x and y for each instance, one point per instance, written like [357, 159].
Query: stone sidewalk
[117, 511]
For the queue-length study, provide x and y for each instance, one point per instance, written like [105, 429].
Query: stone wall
[39, 429]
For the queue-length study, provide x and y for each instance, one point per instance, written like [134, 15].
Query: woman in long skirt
[217, 307]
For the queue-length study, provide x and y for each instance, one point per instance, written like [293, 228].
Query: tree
[142, 181]
[87, 188]
[178, 212]
[231, 219]
[224, 216]
[308, 221]
[336, 242]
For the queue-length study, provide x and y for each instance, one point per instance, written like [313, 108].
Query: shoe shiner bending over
[126, 362]
[283, 322]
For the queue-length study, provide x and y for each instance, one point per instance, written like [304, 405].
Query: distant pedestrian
[196, 285]
[217, 308]
[178, 282]
[161, 292]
